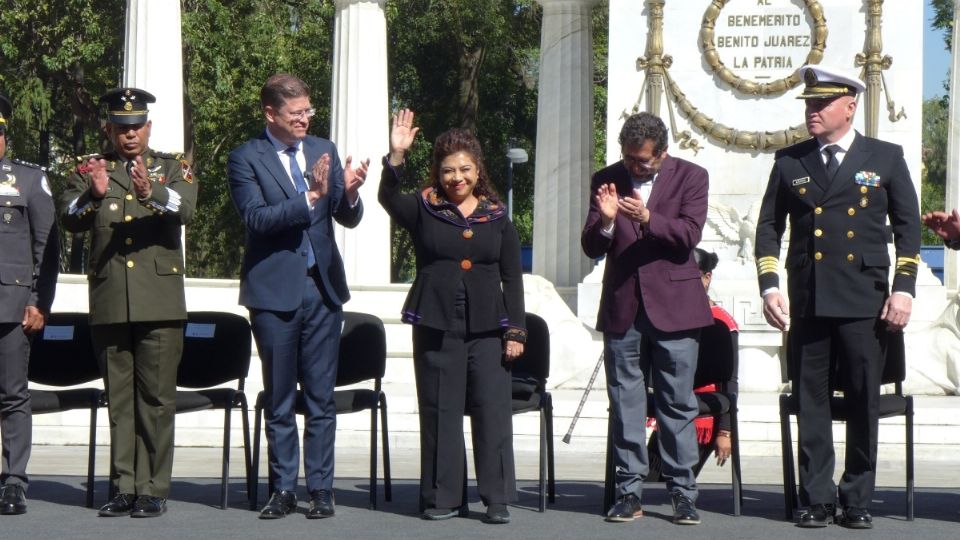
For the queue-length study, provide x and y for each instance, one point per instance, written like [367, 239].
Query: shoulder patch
[28, 164]
[187, 172]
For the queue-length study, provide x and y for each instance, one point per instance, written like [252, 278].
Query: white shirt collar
[844, 143]
[279, 146]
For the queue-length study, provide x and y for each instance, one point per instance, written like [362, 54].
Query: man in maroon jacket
[646, 215]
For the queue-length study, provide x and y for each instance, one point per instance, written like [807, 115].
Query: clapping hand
[606, 199]
[634, 208]
[141, 183]
[319, 175]
[402, 135]
[353, 178]
[99, 178]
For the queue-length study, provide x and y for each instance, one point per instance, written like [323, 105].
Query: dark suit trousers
[456, 373]
[16, 421]
[139, 365]
[300, 346]
[857, 346]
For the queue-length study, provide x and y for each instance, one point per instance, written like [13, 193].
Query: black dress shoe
[120, 505]
[440, 514]
[148, 506]
[627, 508]
[856, 518]
[684, 511]
[816, 515]
[497, 514]
[13, 500]
[321, 504]
[281, 503]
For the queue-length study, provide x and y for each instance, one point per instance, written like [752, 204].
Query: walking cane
[586, 392]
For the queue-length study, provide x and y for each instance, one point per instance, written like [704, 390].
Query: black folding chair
[530, 373]
[363, 357]
[216, 351]
[717, 364]
[62, 355]
[891, 405]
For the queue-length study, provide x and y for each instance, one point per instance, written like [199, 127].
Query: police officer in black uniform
[29, 259]
[838, 189]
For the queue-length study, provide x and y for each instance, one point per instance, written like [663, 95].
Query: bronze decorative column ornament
[873, 65]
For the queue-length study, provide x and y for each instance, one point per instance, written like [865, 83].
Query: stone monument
[722, 75]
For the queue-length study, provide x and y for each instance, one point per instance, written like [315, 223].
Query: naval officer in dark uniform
[838, 190]
[29, 258]
[133, 200]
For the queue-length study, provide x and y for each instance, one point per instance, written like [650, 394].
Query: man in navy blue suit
[293, 283]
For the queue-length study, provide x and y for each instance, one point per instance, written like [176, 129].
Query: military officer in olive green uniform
[133, 201]
[29, 256]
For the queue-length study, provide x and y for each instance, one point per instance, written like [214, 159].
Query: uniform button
[128, 241]
[129, 197]
[466, 264]
[818, 255]
[850, 234]
[863, 202]
[850, 257]
[468, 233]
[818, 210]
[9, 203]
[802, 190]
[818, 233]
[17, 281]
[128, 218]
[130, 264]
[851, 211]
[175, 270]
[863, 189]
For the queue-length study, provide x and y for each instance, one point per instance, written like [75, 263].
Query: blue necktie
[300, 182]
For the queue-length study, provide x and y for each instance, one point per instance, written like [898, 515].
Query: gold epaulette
[767, 265]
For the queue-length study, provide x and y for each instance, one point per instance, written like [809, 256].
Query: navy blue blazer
[837, 261]
[275, 216]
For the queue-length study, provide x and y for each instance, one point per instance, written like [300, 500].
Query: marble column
[359, 125]
[951, 264]
[564, 141]
[153, 62]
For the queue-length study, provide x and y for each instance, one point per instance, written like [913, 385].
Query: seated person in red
[712, 437]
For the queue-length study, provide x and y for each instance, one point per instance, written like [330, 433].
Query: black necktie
[833, 164]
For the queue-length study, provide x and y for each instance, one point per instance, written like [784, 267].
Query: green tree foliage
[936, 116]
[470, 63]
[58, 57]
[936, 120]
[230, 48]
[943, 19]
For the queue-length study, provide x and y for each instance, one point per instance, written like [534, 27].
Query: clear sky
[936, 59]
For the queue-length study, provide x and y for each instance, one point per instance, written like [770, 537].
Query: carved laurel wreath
[726, 135]
[746, 86]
